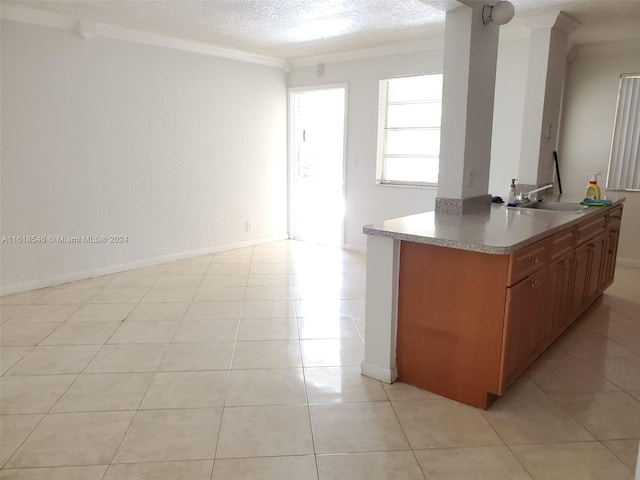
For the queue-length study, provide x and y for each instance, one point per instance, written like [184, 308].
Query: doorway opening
[317, 151]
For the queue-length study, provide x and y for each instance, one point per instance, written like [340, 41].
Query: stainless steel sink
[555, 207]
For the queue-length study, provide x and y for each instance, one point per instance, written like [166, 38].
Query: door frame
[291, 144]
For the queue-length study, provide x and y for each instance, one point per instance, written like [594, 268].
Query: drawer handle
[535, 260]
[534, 283]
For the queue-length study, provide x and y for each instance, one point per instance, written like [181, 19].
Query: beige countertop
[497, 230]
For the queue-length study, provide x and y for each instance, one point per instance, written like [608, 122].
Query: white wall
[590, 97]
[367, 202]
[175, 150]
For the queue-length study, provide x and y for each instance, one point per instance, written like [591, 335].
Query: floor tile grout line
[615, 309]
[49, 412]
[226, 389]
[306, 394]
[509, 446]
[554, 443]
[55, 329]
[593, 441]
[603, 443]
[564, 410]
[2, 466]
[121, 322]
[32, 348]
[581, 361]
[155, 373]
[505, 444]
[406, 436]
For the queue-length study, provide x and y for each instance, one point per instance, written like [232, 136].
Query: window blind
[409, 116]
[382, 125]
[624, 162]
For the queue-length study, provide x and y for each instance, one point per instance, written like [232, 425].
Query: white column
[381, 309]
[545, 81]
[470, 57]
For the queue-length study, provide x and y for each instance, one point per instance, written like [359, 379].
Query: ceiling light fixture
[500, 13]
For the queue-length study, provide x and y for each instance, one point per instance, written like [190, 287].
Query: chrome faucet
[525, 197]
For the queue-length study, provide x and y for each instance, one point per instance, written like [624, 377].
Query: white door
[317, 160]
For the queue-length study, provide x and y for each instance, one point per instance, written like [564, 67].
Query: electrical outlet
[248, 225]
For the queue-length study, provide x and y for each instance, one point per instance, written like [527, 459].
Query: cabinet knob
[535, 260]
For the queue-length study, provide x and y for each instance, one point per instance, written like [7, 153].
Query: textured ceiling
[303, 28]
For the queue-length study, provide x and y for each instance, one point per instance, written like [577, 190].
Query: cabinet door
[579, 279]
[523, 321]
[594, 283]
[558, 317]
[611, 251]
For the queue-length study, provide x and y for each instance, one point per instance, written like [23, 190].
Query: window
[624, 162]
[409, 130]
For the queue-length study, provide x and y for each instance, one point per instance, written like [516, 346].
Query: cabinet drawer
[614, 217]
[591, 229]
[527, 260]
[562, 243]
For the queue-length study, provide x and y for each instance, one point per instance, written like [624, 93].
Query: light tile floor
[245, 365]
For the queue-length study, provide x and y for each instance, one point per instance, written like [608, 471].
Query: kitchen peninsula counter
[461, 305]
[496, 230]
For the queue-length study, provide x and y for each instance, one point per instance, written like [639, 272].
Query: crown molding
[147, 38]
[21, 14]
[552, 20]
[566, 24]
[432, 44]
[65, 22]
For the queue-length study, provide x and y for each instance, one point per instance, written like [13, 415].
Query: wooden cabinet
[557, 316]
[591, 228]
[580, 278]
[594, 282]
[611, 247]
[595, 258]
[528, 260]
[470, 323]
[450, 321]
[522, 336]
[610, 253]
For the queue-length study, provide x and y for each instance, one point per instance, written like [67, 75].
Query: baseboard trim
[123, 267]
[628, 262]
[386, 375]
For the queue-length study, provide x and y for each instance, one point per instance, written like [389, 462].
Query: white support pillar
[543, 96]
[381, 309]
[470, 58]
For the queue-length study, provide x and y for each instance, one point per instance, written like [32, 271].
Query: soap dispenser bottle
[512, 193]
[593, 189]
